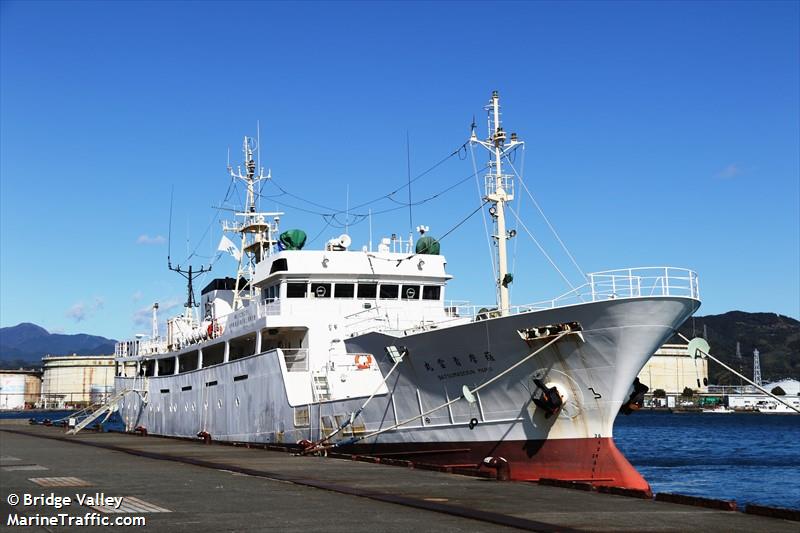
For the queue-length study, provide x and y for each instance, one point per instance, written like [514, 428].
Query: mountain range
[776, 337]
[25, 344]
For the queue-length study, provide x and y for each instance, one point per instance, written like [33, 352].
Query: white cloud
[144, 315]
[80, 311]
[136, 296]
[147, 239]
[731, 171]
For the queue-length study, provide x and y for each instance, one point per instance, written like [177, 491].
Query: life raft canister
[363, 361]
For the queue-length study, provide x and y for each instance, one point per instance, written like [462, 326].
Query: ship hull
[589, 460]
[593, 373]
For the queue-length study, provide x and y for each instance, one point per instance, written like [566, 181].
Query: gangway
[105, 409]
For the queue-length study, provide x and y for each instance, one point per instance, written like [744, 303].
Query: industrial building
[19, 389]
[673, 370]
[751, 399]
[76, 380]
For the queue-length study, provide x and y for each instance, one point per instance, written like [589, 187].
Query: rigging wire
[521, 223]
[213, 220]
[331, 210]
[320, 232]
[485, 224]
[408, 173]
[440, 239]
[549, 225]
[360, 217]
[519, 210]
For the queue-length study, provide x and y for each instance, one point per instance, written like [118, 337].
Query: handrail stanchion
[630, 282]
[666, 279]
[591, 282]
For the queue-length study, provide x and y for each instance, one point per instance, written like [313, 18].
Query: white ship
[358, 351]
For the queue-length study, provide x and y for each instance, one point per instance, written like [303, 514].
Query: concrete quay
[180, 485]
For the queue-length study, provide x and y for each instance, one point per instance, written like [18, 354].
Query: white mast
[499, 190]
[154, 333]
[258, 233]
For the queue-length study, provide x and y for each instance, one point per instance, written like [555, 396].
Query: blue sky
[658, 133]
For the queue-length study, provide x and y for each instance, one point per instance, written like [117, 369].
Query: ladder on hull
[320, 387]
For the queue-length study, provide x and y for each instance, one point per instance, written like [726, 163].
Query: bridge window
[296, 290]
[271, 293]
[242, 347]
[166, 367]
[321, 290]
[389, 292]
[410, 292]
[344, 290]
[214, 354]
[367, 290]
[187, 362]
[431, 292]
[279, 265]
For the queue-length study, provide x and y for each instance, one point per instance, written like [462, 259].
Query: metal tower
[756, 367]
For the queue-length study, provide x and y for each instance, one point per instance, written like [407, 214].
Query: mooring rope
[726, 367]
[488, 382]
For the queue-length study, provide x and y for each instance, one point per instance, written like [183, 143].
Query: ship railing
[600, 286]
[247, 315]
[626, 283]
[372, 319]
[140, 347]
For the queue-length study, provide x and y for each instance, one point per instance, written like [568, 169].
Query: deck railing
[606, 285]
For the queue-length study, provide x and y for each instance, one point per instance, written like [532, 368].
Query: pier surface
[181, 485]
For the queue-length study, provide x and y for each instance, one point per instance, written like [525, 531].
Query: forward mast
[499, 189]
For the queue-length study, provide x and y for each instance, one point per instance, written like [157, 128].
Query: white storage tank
[12, 391]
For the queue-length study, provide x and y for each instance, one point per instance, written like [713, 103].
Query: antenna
[408, 170]
[190, 274]
[169, 231]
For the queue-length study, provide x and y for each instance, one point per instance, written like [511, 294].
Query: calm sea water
[749, 458]
[114, 423]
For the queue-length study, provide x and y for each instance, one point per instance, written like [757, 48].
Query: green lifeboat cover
[293, 239]
[428, 245]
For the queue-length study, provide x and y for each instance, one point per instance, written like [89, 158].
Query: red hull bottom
[596, 461]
